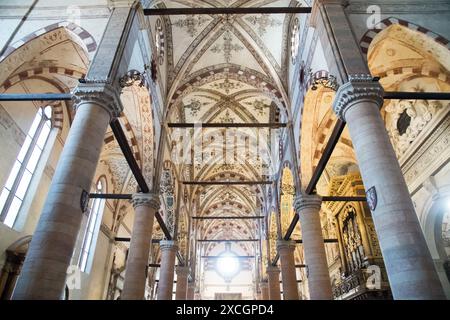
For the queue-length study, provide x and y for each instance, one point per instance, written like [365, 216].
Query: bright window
[93, 225]
[19, 179]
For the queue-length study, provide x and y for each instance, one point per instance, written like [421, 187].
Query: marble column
[190, 291]
[273, 274]
[43, 274]
[408, 262]
[145, 206]
[166, 273]
[288, 274]
[182, 282]
[319, 283]
[264, 286]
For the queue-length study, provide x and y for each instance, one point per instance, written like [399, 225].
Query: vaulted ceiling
[226, 69]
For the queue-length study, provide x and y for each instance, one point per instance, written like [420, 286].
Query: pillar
[264, 286]
[145, 206]
[182, 282]
[288, 274]
[408, 262]
[166, 273]
[319, 283]
[43, 274]
[273, 274]
[190, 290]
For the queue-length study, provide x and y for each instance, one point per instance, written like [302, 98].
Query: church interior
[225, 150]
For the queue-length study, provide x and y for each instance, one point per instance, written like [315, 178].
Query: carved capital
[182, 271]
[303, 201]
[146, 199]
[285, 245]
[272, 269]
[168, 245]
[101, 93]
[360, 87]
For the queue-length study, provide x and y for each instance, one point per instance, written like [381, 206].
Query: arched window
[19, 179]
[93, 225]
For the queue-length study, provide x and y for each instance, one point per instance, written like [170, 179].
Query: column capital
[272, 269]
[182, 270]
[146, 199]
[101, 93]
[316, 8]
[285, 244]
[303, 201]
[360, 87]
[167, 245]
[263, 285]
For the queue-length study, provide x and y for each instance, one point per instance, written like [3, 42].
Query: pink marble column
[182, 282]
[319, 283]
[273, 273]
[191, 291]
[145, 206]
[288, 274]
[409, 265]
[166, 273]
[264, 286]
[43, 274]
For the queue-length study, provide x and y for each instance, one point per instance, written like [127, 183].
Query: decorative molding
[360, 87]
[368, 37]
[146, 199]
[303, 201]
[168, 245]
[288, 245]
[99, 92]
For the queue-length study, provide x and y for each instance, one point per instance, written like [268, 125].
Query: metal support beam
[110, 196]
[132, 163]
[331, 144]
[127, 239]
[273, 125]
[228, 217]
[291, 228]
[209, 183]
[417, 95]
[68, 96]
[324, 240]
[227, 240]
[225, 10]
[154, 265]
[128, 153]
[35, 97]
[344, 199]
[218, 257]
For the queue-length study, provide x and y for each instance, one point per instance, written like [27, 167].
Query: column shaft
[319, 284]
[166, 272]
[409, 265]
[145, 206]
[288, 274]
[182, 283]
[43, 275]
[264, 290]
[273, 274]
[190, 291]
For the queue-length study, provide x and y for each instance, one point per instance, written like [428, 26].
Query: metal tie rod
[68, 96]
[226, 182]
[227, 125]
[227, 240]
[225, 10]
[228, 217]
